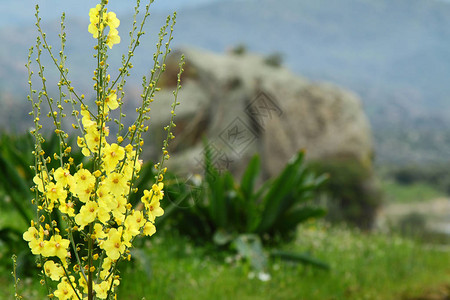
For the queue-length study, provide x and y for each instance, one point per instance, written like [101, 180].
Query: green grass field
[363, 266]
[416, 192]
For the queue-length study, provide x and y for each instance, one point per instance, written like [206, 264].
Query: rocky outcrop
[243, 105]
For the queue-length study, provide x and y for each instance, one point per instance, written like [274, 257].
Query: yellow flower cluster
[99, 20]
[98, 199]
[86, 222]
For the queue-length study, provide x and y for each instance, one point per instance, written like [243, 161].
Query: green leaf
[279, 197]
[297, 216]
[300, 258]
[249, 178]
[250, 247]
[222, 237]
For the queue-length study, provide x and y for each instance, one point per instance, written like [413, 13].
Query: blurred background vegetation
[330, 228]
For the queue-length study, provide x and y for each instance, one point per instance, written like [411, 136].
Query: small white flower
[264, 276]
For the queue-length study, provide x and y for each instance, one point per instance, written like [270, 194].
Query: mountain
[394, 53]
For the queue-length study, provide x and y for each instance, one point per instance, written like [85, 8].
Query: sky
[17, 12]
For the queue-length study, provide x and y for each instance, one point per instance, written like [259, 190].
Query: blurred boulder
[242, 105]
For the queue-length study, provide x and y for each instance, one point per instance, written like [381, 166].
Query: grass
[363, 266]
[412, 193]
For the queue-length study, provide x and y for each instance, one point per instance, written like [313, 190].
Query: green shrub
[239, 49]
[274, 60]
[435, 175]
[352, 192]
[241, 216]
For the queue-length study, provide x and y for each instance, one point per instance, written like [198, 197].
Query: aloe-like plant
[246, 216]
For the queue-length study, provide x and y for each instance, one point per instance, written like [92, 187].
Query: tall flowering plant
[85, 224]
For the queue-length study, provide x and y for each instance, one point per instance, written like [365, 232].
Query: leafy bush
[245, 217]
[274, 60]
[354, 196]
[435, 175]
[240, 49]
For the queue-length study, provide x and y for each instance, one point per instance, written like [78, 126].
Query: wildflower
[53, 270]
[65, 291]
[40, 180]
[106, 266]
[63, 177]
[119, 208]
[149, 229]
[111, 100]
[101, 289]
[56, 246]
[94, 17]
[87, 214]
[116, 183]
[31, 234]
[55, 193]
[35, 239]
[154, 210]
[99, 234]
[67, 208]
[113, 245]
[112, 155]
[112, 38]
[84, 180]
[135, 222]
[111, 20]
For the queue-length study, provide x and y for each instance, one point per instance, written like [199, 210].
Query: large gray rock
[243, 105]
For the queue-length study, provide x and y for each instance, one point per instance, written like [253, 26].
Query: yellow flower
[149, 229]
[85, 195]
[53, 270]
[63, 177]
[99, 234]
[112, 38]
[106, 266]
[56, 246]
[116, 184]
[40, 180]
[151, 201]
[104, 198]
[94, 13]
[37, 246]
[86, 120]
[55, 193]
[101, 289]
[67, 208]
[31, 234]
[157, 190]
[112, 155]
[94, 18]
[35, 239]
[84, 179]
[156, 194]
[93, 138]
[134, 222]
[111, 101]
[119, 208]
[113, 245]
[154, 210]
[83, 284]
[103, 214]
[87, 214]
[65, 291]
[111, 20]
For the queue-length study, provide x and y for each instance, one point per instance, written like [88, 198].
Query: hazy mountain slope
[394, 53]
